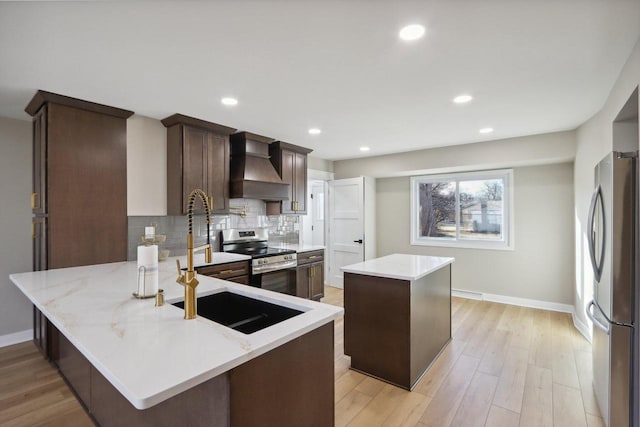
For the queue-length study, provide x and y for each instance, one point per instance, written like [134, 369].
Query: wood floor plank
[346, 383]
[408, 412]
[493, 358]
[563, 360]
[477, 344]
[380, 408]
[439, 370]
[523, 332]
[541, 343]
[475, 406]
[462, 314]
[585, 377]
[350, 406]
[500, 417]
[512, 380]
[445, 402]
[370, 386]
[567, 407]
[509, 319]
[537, 402]
[472, 322]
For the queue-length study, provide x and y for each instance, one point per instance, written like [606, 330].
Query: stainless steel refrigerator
[612, 247]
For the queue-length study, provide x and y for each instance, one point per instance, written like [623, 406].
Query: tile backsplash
[282, 228]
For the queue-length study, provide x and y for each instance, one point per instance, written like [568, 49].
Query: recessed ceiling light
[229, 101]
[486, 130]
[462, 99]
[411, 32]
[315, 131]
[364, 148]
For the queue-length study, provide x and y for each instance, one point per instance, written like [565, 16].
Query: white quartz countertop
[298, 248]
[151, 353]
[399, 266]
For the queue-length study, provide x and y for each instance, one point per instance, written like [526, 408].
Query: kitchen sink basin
[244, 314]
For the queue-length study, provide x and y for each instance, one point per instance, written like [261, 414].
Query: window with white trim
[468, 210]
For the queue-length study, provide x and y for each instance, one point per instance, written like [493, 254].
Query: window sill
[493, 246]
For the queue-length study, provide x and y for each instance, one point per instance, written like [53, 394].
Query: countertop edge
[359, 270]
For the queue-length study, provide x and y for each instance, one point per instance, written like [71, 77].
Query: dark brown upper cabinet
[79, 198]
[197, 157]
[291, 163]
[252, 174]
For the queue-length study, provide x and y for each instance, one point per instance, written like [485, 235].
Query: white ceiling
[532, 66]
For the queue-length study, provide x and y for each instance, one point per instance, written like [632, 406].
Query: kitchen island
[132, 363]
[397, 315]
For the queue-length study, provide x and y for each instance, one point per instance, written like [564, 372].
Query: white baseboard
[523, 302]
[466, 294]
[581, 327]
[16, 337]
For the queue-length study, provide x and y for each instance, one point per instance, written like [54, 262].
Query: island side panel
[430, 319]
[377, 326]
[290, 386]
[206, 404]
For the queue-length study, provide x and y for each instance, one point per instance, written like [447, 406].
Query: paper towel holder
[143, 277]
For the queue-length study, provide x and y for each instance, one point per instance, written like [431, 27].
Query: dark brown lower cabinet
[45, 335]
[237, 271]
[394, 329]
[75, 368]
[310, 275]
[290, 386]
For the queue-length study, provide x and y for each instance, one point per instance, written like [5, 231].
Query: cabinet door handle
[33, 230]
[34, 200]
[210, 203]
[314, 256]
[219, 273]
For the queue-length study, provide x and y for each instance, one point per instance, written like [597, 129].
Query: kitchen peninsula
[132, 363]
[397, 315]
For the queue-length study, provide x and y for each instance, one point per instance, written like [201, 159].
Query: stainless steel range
[271, 268]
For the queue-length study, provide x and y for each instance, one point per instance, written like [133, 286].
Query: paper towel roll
[148, 282]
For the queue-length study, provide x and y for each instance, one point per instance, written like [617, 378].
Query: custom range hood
[252, 175]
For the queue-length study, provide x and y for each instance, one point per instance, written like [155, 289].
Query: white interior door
[346, 226]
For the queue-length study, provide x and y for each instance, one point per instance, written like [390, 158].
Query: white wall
[557, 147]
[146, 167]
[15, 222]
[540, 267]
[594, 141]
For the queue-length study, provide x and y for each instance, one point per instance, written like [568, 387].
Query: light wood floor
[506, 366]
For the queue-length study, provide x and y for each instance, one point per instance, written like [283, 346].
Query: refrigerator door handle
[596, 322]
[597, 266]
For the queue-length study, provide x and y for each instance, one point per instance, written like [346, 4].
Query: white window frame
[507, 242]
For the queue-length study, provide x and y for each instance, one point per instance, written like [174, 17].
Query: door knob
[358, 241]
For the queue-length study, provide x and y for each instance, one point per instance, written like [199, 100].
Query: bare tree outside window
[464, 209]
[438, 209]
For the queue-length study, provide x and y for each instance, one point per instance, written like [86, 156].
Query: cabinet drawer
[309, 257]
[225, 271]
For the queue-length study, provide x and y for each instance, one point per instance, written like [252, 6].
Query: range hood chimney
[252, 175]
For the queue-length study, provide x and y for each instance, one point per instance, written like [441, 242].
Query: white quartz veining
[151, 353]
[399, 266]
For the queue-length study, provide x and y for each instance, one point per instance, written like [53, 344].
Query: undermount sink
[244, 314]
